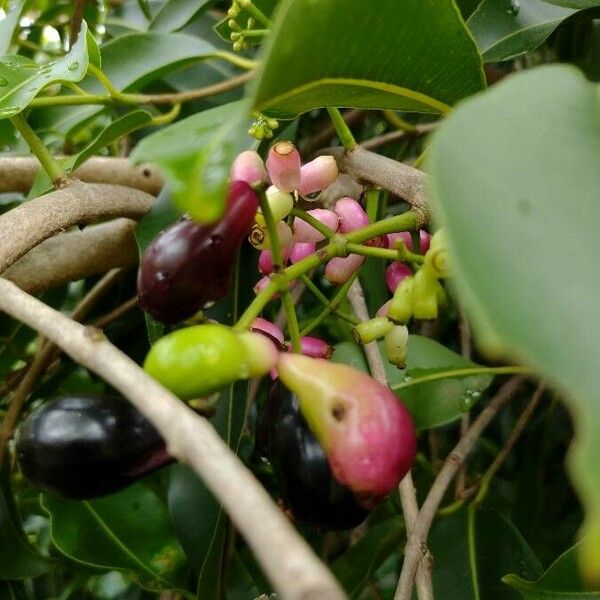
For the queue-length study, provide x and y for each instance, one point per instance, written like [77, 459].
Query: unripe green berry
[369, 331]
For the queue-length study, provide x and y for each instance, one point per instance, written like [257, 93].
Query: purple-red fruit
[366, 432]
[424, 237]
[188, 265]
[301, 468]
[395, 273]
[301, 250]
[315, 347]
[274, 333]
[283, 165]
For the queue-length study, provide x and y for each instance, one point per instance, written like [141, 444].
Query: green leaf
[505, 29]
[400, 54]
[18, 559]
[129, 531]
[175, 14]
[117, 129]
[525, 147]
[8, 26]
[473, 549]
[196, 154]
[130, 61]
[93, 50]
[21, 79]
[431, 403]
[561, 581]
[355, 567]
[578, 4]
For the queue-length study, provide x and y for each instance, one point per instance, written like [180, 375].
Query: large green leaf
[18, 559]
[473, 550]
[580, 4]
[175, 14]
[397, 54]
[129, 531]
[196, 154]
[21, 79]
[431, 403]
[507, 28]
[515, 180]
[561, 581]
[8, 26]
[131, 62]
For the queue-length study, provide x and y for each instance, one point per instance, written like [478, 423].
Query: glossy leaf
[505, 29]
[175, 14]
[561, 581]
[8, 26]
[21, 79]
[129, 531]
[578, 4]
[413, 55]
[18, 559]
[93, 50]
[473, 552]
[545, 127]
[355, 567]
[130, 61]
[431, 403]
[196, 154]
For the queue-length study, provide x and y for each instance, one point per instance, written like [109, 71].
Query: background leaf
[21, 79]
[413, 55]
[176, 14]
[531, 149]
[8, 25]
[195, 155]
[128, 531]
[561, 581]
[432, 403]
[581, 4]
[505, 29]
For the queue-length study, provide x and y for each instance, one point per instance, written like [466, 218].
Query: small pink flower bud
[424, 237]
[283, 164]
[301, 250]
[260, 325]
[352, 215]
[395, 273]
[383, 309]
[261, 353]
[248, 166]
[317, 175]
[265, 260]
[315, 347]
[339, 270]
[303, 232]
[366, 432]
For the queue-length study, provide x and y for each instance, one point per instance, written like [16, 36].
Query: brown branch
[397, 136]
[17, 173]
[116, 313]
[76, 255]
[294, 570]
[44, 356]
[408, 495]
[76, 19]
[30, 223]
[408, 183]
[415, 543]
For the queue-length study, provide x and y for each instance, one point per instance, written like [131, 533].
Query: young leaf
[196, 154]
[21, 79]
[409, 56]
[502, 168]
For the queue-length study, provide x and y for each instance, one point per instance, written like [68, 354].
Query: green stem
[404, 222]
[254, 11]
[254, 33]
[472, 551]
[235, 59]
[383, 253]
[288, 303]
[166, 118]
[450, 374]
[320, 227]
[52, 167]
[104, 80]
[398, 122]
[97, 99]
[342, 129]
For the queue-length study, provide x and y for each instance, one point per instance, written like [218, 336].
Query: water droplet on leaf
[513, 8]
[73, 66]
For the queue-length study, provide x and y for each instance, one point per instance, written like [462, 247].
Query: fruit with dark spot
[188, 265]
[301, 468]
[83, 446]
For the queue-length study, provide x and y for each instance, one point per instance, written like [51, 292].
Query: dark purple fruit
[301, 468]
[188, 265]
[85, 446]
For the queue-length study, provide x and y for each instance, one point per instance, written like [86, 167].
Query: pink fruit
[274, 333]
[317, 175]
[352, 215]
[248, 166]
[301, 250]
[406, 238]
[303, 232]
[315, 347]
[395, 273]
[339, 270]
[283, 165]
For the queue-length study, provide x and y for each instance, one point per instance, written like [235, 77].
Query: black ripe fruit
[188, 265]
[83, 446]
[301, 468]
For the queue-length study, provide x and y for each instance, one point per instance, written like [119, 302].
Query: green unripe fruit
[197, 361]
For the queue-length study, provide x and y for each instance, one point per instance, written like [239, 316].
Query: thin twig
[397, 136]
[76, 19]
[293, 568]
[116, 313]
[465, 350]
[415, 543]
[79, 203]
[327, 132]
[408, 495]
[45, 355]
